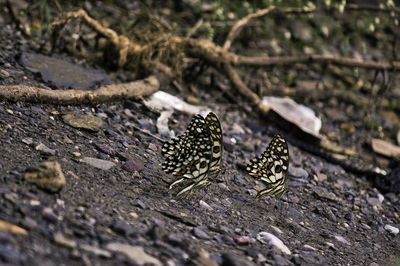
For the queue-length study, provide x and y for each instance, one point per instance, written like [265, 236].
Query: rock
[204, 205]
[11, 256]
[8, 227]
[242, 240]
[203, 258]
[105, 149]
[322, 193]
[279, 260]
[135, 253]
[302, 31]
[95, 250]
[4, 73]
[386, 148]
[229, 259]
[133, 165]
[27, 141]
[98, 163]
[374, 201]
[341, 239]
[83, 121]
[122, 228]
[239, 180]
[199, 233]
[270, 239]
[156, 232]
[63, 74]
[349, 216]
[391, 229]
[62, 241]
[298, 172]
[46, 175]
[44, 149]
[49, 215]
[153, 147]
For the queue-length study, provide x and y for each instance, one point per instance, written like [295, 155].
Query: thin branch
[195, 28]
[289, 60]
[371, 8]
[260, 13]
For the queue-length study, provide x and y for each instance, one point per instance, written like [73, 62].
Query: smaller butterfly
[195, 155]
[271, 167]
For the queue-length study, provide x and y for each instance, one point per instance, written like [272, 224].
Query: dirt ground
[104, 217]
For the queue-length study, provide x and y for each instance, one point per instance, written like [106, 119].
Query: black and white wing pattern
[196, 154]
[214, 126]
[271, 167]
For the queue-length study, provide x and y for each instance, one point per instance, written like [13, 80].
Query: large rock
[46, 175]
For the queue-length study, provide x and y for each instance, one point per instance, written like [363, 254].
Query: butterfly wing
[271, 166]
[214, 126]
[189, 155]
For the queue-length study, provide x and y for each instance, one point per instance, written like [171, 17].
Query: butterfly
[196, 154]
[271, 167]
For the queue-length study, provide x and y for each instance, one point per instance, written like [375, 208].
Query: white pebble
[268, 238]
[392, 229]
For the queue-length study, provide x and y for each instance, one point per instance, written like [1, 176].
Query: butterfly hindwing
[271, 167]
[214, 126]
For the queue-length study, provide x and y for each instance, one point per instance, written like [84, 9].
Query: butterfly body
[271, 167]
[196, 154]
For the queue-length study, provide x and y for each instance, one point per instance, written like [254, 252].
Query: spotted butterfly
[196, 154]
[271, 167]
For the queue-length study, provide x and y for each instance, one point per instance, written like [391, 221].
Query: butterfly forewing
[271, 166]
[195, 154]
[187, 152]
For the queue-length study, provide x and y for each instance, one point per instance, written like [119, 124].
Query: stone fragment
[106, 149]
[204, 205]
[391, 229]
[83, 121]
[27, 141]
[8, 227]
[133, 165]
[11, 256]
[122, 228]
[46, 175]
[199, 233]
[203, 258]
[341, 239]
[44, 149]
[386, 148]
[135, 253]
[242, 240]
[60, 239]
[298, 172]
[96, 250]
[98, 163]
[234, 260]
[268, 238]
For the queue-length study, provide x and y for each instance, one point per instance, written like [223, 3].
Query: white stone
[268, 238]
[205, 205]
[392, 229]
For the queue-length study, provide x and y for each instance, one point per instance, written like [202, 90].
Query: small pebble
[199, 233]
